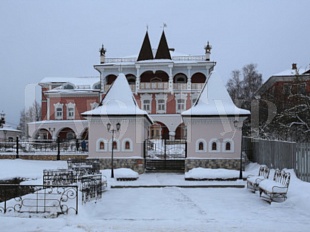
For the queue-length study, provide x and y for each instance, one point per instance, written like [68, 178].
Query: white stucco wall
[133, 129]
[215, 129]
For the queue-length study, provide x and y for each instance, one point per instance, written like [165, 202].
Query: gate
[162, 154]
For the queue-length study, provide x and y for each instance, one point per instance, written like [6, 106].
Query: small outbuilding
[214, 128]
[118, 128]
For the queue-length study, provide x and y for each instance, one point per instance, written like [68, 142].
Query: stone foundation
[136, 164]
[43, 157]
[233, 164]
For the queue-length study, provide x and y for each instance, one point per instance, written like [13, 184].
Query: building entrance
[163, 154]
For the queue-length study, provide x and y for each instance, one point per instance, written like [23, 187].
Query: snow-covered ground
[167, 208]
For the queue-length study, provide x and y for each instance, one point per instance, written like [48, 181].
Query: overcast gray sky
[61, 38]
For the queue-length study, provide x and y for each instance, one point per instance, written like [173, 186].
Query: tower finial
[164, 25]
[102, 51]
[208, 48]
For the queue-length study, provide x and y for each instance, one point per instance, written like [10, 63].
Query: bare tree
[234, 87]
[31, 114]
[242, 91]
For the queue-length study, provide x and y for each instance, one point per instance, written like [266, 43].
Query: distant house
[279, 88]
[284, 104]
[9, 134]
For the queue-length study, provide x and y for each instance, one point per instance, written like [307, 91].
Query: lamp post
[236, 124]
[2, 119]
[118, 126]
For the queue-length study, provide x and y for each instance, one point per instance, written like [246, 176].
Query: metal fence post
[58, 148]
[17, 147]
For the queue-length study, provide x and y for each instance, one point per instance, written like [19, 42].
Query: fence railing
[53, 200]
[303, 161]
[280, 154]
[47, 146]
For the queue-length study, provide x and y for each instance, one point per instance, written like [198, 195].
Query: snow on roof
[8, 128]
[214, 100]
[291, 72]
[78, 81]
[119, 100]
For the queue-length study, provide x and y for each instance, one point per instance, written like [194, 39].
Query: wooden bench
[253, 180]
[277, 188]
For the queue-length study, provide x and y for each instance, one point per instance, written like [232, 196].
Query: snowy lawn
[167, 208]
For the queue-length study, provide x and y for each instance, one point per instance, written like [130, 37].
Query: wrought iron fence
[83, 167]
[51, 201]
[59, 177]
[42, 146]
[92, 187]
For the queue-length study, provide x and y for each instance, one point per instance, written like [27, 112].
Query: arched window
[214, 146]
[227, 146]
[201, 145]
[114, 145]
[127, 145]
[101, 145]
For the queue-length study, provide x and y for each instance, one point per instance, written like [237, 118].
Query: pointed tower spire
[146, 49]
[163, 49]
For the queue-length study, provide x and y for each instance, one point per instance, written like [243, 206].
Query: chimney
[294, 66]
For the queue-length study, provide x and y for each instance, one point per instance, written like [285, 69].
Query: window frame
[204, 143]
[58, 111]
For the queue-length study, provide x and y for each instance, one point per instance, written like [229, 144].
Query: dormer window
[97, 86]
[68, 86]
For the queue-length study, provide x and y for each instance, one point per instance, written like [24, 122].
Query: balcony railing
[149, 86]
[175, 58]
[154, 86]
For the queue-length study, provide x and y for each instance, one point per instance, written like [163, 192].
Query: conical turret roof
[119, 100]
[163, 49]
[146, 49]
[214, 100]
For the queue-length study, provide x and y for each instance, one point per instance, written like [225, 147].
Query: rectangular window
[70, 113]
[161, 105]
[302, 89]
[180, 105]
[147, 105]
[58, 113]
[287, 89]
